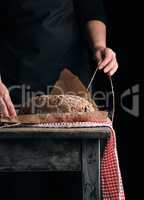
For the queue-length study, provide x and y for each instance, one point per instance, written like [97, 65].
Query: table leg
[91, 169]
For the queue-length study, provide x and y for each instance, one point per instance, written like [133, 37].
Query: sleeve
[91, 10]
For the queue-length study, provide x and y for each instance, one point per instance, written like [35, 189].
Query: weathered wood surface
[51, 149]
[91, 170]
[39, 155]
[97, 132]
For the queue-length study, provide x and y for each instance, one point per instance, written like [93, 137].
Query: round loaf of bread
[57, 104]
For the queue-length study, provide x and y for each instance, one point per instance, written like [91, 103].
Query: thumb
[98, 57]
[10, 106]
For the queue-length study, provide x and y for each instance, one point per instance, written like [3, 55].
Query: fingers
[10, 106]
[98, 57]
[113, 70]
[3, 108]
[110, 66]
[6, 106]
[108, 56]
[109, 62]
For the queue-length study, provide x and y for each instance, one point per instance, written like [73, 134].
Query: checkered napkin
[111, 181]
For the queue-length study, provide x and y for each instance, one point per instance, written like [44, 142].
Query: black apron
[39, 39]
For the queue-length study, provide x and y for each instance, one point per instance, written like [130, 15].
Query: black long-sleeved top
[90, 10]
[40, 37]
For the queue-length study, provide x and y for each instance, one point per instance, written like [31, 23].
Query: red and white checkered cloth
[111, 181]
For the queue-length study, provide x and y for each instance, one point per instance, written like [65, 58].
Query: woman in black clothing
[39, 38]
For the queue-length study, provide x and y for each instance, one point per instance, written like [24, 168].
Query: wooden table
[52, 149]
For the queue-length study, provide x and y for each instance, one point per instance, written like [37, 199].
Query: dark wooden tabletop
[94, 132]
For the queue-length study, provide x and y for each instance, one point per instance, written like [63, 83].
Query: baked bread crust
[57, 104]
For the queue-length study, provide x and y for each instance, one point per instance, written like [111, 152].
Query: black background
[118, 40]
[121, 39]
[125, 38]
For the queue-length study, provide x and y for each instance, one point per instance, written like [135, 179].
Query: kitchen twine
[112, 89]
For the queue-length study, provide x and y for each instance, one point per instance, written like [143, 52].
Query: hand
[6, 106]
[106, 59]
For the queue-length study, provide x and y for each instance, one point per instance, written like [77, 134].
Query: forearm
[104, 56]
[96, 31]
